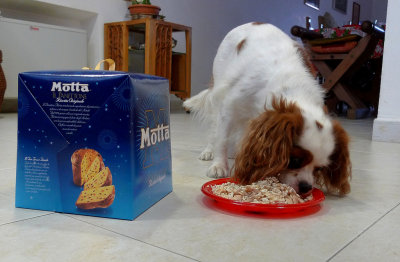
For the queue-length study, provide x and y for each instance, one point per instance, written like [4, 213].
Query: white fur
[245, 81]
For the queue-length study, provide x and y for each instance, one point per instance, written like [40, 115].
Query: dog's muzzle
[304, 188]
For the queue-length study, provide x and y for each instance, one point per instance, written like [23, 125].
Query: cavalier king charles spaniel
[267, 105]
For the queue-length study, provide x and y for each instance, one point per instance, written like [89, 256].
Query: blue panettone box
[93, 142]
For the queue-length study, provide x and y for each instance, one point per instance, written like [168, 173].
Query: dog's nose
[304, 187]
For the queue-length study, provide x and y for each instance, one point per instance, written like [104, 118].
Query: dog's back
[253, 63]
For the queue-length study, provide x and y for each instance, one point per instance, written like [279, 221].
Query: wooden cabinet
[145, 46]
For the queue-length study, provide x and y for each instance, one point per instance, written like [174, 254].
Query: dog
[265, 102]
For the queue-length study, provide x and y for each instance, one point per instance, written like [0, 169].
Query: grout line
[365, 230]
[374, 153]
[112, 231]
[392, 170]
[8, 168]
[25, 219]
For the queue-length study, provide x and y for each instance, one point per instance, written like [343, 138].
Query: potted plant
[143, 7]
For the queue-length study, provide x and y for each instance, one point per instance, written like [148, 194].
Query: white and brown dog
[265, 101]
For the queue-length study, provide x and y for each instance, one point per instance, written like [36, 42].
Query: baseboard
[10, 105]
[386, 130]
[176, 104]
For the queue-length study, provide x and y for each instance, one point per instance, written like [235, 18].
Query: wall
[106, 10]
[387, 124]
[89, 15]
[378, 10]
[41, 52]
[210, 21]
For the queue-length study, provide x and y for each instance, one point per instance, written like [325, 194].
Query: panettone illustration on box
[86, 163]
[88, 169]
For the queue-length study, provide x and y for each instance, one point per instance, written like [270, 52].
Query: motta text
[70, 87]
[150, 137]
[74, 92]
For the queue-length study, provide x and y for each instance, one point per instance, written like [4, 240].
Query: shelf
[137, 51]
[157, 57]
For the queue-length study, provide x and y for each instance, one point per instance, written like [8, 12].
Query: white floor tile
[8, 212]
[378, 148]
[60, 238]
[8, 127]
[380, 242]
[8, 154]
[186, 225]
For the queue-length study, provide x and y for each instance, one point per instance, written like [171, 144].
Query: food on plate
[268, 191]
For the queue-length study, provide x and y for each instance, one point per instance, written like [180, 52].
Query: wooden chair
[347, 63]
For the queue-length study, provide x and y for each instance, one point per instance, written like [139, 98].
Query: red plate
[318, 197]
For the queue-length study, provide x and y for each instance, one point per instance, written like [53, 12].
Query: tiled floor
[186, 226]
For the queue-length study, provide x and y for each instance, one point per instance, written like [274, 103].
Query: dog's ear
[266, 146]
[336, 176]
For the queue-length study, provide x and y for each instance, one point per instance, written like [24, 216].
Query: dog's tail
[200, 105]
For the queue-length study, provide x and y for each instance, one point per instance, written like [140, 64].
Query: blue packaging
[93, 142]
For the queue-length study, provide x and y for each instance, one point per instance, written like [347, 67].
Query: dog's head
[301, 148]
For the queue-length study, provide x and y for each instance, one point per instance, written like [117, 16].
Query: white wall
[106, 10]
[378, 10]
[387, 124]
[89, 15]
[41, 52]
[211, 20]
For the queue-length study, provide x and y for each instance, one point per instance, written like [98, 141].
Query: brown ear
[265, 149]
[336, 176]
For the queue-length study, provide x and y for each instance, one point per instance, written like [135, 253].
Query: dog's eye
[295, 162]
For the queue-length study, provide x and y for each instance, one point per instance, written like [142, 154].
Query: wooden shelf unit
[156, 38]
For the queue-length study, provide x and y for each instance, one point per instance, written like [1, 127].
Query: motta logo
[158, 133]
[152, 136]
[69, 87]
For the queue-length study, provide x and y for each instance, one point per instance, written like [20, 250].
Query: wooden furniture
[347, 63]
[145, 46]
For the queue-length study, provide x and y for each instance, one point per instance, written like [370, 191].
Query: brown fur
[270, 142]
[240, 45]
[336, 176]
[211, 84]
[265, 150]
[305, 155]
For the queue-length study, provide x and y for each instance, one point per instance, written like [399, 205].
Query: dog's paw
[206, 155]
[217, 171]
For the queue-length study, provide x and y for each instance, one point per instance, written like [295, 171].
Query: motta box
[93, 142]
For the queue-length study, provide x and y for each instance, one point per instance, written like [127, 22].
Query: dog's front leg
[219, 167]
[208, 152]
